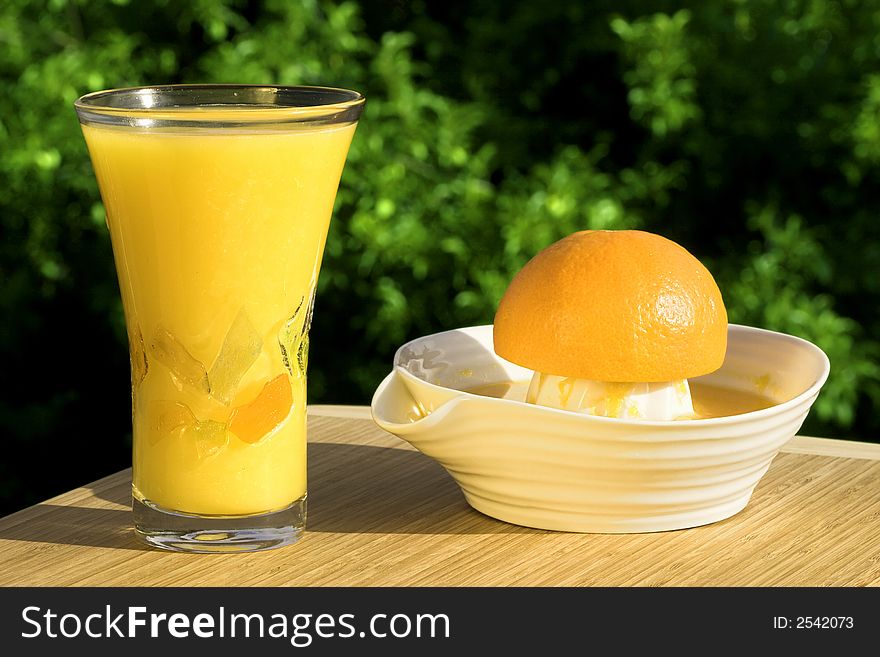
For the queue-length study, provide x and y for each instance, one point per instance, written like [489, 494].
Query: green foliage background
[748, 131]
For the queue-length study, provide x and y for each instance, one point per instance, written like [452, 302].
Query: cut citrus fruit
[617, 305]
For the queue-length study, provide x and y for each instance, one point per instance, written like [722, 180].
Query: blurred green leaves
[775, 288]
[661, 76]
[747, 132]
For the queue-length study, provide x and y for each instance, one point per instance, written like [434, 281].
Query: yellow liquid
[218, 238]
[709, 401]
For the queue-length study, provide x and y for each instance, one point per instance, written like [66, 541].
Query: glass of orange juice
[218, 200]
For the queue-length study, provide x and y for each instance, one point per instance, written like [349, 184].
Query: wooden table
[382, 514]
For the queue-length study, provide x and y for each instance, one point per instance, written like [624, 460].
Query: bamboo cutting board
[382, 514]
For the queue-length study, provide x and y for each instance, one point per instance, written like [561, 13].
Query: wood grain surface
[382, 514]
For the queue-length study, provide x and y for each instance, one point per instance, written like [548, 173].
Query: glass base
[184, 532]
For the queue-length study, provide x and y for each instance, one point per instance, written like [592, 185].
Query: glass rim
[220, 105]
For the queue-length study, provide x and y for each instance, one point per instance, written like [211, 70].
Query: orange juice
[218, 237]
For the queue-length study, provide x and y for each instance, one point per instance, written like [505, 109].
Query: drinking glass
[218, 200]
